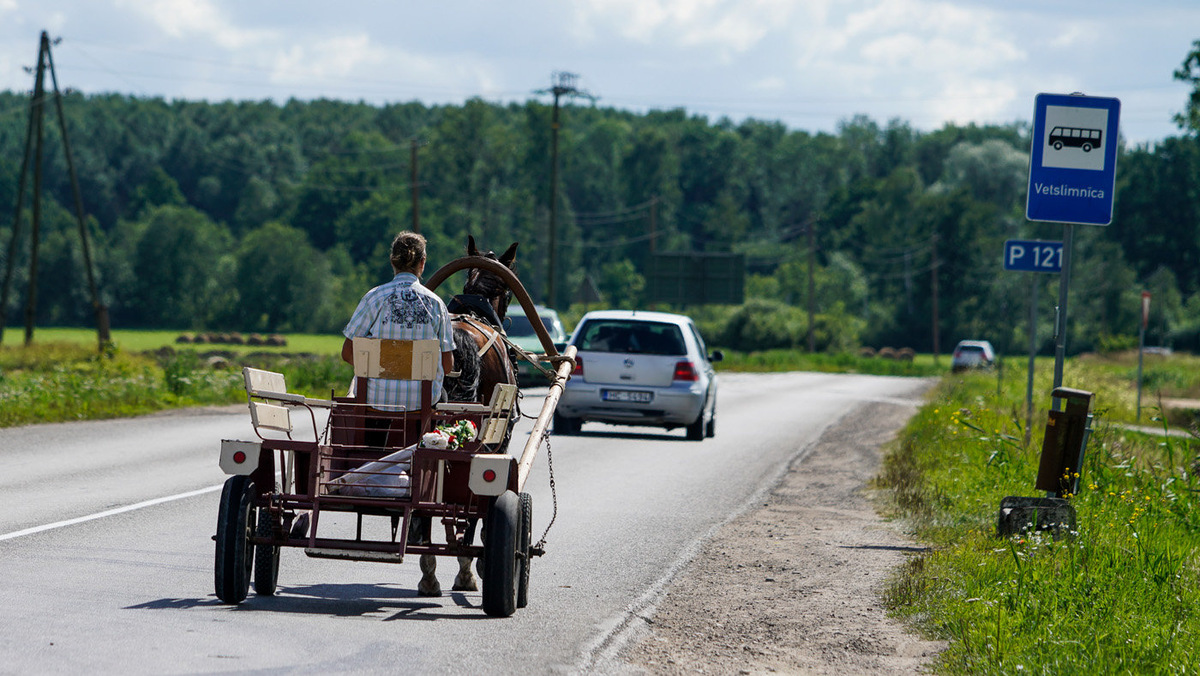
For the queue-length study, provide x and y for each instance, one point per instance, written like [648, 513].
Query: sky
[810, 64]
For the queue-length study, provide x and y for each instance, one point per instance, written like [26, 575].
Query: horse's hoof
[465, 585]
[433, 589]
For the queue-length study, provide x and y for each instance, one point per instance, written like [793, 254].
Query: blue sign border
[1062, 208]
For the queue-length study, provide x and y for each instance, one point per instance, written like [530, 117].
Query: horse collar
[469, 303]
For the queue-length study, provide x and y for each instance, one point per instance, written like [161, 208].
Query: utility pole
[38, 109]
[812, 313]
[653, 224]
[416, 220]
[563, 85]
[34, 136]
[933, 283]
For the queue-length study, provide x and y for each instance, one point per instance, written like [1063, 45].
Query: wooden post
[561, 373]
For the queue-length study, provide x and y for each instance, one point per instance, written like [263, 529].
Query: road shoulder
[794, 586]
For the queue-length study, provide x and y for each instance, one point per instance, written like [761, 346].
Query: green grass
[146, 340]
[775, 361]
[145, 371]
[1121, 597]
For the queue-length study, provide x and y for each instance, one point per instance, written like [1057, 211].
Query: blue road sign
[1033, 255]
[1073, 159]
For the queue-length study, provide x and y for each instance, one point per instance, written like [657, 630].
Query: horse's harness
[495, 339]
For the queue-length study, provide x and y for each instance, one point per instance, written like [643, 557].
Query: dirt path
[793, 587]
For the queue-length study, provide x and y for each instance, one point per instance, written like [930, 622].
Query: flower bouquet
[450, 436]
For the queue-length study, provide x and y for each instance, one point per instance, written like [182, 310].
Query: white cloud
[195, 18]
[732, 26]
[333, 57]
[923, 60]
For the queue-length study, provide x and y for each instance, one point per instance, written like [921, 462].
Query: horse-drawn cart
[344, 480]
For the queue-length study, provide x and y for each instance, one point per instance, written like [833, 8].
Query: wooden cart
[379, 467]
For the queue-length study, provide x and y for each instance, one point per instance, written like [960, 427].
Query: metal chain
[541, 544]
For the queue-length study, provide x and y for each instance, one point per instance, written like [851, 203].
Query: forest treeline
[258, 216]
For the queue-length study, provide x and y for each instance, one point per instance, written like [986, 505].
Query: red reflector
[578, 366]
[489, 475]
[684, 370]
[239, 457]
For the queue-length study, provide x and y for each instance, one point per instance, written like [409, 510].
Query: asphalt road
[107, 557]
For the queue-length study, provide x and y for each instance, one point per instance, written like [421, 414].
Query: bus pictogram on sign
[1074, 137]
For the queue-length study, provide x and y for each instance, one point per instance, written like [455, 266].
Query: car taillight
[685, 370]
[578, 366]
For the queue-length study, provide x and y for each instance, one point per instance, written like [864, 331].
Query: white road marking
[110, 512]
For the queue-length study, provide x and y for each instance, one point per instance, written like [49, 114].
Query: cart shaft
[561, 374]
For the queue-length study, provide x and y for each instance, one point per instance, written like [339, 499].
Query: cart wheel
[266, 559]
[523, 557]
[235, 523]
[500, 569]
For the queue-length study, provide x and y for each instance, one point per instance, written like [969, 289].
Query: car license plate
[633, 396]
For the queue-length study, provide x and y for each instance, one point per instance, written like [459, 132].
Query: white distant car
[640, 368]
[972, 354]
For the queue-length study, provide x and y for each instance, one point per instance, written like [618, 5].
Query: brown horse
[477, 317]
[482, 361]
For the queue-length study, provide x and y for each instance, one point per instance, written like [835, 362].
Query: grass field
[1122, 596]
[64, 376]
[147, 340]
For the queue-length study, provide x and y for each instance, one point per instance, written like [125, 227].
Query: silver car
[640, 368]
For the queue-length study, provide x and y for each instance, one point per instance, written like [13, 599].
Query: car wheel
[710, 430]
[567, 426]
[695, 430]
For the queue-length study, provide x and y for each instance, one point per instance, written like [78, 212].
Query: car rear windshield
[975, 349]
[636, 337]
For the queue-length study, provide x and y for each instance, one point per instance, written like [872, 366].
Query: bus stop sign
[1073, 159]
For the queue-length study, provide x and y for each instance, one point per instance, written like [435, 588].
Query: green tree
[284, 283]
[181, 267]
[1189, 72]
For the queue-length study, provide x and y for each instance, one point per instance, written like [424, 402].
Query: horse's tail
[466, 361]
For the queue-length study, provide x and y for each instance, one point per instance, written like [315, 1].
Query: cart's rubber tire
[235, 523]
[567, 427]
[695, 430]
[523, 557]
[502, 534]
[266, 559]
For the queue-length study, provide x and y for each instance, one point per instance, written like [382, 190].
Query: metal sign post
[1072, 178]
[1142, 349]
[1032, 256]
